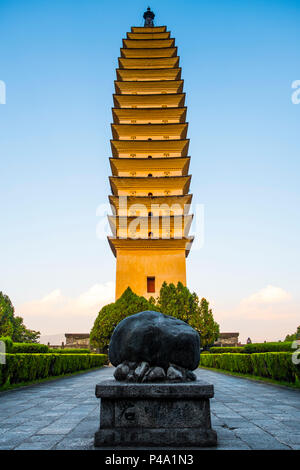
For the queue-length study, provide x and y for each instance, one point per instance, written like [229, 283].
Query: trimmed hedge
[28, 367]
[29, 348]
[254, 348]
[273, 365]
[225, 349]
[268, 347]
[69, 351]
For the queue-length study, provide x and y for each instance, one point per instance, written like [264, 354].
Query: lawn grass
[255, 378]
[8, 387]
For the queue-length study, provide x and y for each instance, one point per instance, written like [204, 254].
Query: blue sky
[239, 59]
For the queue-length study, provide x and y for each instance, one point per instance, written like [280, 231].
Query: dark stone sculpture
[153, 347]
[156, 400]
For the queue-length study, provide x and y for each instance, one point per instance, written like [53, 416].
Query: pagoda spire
[149, 17]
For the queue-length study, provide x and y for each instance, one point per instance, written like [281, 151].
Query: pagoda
[150, 181]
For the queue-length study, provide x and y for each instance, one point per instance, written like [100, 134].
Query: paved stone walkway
[64, 414]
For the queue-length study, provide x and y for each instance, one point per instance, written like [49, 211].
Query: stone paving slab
[64, 414]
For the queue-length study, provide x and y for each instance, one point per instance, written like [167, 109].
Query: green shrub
[28, 367]
[268, 347]
[29, 348]
[225, 349]
[69, 351]
[254, 348]
[273, 365]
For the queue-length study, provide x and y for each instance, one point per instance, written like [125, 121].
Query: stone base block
[161, 414]
[138, 437]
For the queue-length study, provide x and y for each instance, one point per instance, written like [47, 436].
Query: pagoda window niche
[150, 284]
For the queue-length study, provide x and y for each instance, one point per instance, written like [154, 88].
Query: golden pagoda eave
[148, 244]
[155, 115]
[159, 101]
[150, 164]
[148, 43]
[146, 63]
[149, 87]
[143, 35]
[146, 75]
[183, 200]
[173, 131]
[158, 183]
[175, 148]
[186, 220]
[148, 53]
[148, 29]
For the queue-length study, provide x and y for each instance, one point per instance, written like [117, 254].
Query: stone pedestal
[156, 414]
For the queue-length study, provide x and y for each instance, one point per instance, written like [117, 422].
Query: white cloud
[56, 312]
[53, 297]
[56, 304]
[268, 295]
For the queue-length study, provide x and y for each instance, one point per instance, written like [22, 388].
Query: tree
[209, 330]
[110, 315]
[176, 301]
[293, 336]
[13, 326]
[179, 302]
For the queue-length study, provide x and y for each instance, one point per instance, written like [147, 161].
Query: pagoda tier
[149, 131]
[162, 101]
[148, 63]
[145, 186]
[149, 148]
[164, 35]
[147, 245]
[146, 75]
[146, 115]
[149, 53]
[148, 87]
[164, 227]
[158, 205]
[150, 182]
[153, 29]
[148, 43]
[156, 166]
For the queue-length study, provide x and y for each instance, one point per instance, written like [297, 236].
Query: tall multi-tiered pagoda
[150, 163]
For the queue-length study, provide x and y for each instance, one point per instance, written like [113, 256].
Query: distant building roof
[228, 335]
[77, 335]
